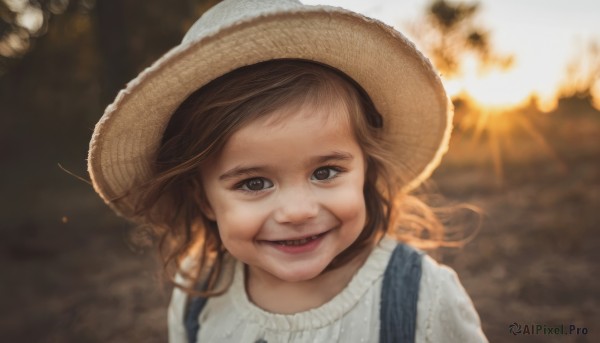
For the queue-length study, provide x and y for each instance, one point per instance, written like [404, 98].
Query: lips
[297, 242]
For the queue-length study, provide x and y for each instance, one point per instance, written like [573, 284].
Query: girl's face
[287, 195]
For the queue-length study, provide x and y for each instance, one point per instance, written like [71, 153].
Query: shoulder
[178, 304]
[184, 309]
[444, 310]
[176, 315]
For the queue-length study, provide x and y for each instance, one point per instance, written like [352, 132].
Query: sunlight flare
[499, 89]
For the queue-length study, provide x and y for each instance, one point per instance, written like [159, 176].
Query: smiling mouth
[298, 242]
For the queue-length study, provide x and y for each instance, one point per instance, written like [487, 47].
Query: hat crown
[229, 12]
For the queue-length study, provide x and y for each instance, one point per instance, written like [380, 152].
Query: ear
[201, 200]
[207, 210]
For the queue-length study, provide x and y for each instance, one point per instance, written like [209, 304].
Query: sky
[543, 35]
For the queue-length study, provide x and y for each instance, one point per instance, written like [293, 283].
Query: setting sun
[497, 89]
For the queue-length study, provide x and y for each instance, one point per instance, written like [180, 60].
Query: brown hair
[171, 202]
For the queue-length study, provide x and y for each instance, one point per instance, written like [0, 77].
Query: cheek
[239, 221]
[348, 204]
[353, 209]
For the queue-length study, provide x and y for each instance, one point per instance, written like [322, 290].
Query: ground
[71, 273]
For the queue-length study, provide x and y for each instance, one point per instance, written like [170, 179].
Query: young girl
[273, 152]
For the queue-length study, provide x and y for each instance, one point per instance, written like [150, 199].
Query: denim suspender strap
[399, 296]
[193, 310]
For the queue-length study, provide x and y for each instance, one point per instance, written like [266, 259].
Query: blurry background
[524, 77]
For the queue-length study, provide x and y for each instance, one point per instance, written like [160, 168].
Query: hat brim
[401, 82]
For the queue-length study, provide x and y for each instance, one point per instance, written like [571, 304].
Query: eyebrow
[242, 171]
[334, 156]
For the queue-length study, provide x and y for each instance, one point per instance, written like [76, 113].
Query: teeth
[298, 241]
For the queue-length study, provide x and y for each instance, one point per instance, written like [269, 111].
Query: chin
[301, 274]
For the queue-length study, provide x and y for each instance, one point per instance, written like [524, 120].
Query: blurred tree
[580, 87]
[58, 74]
[449, 32]
[133, 34]
[20, 23]
[47, 91]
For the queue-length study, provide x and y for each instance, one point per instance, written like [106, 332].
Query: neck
[278, 296]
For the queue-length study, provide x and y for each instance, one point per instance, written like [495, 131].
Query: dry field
[535, 259]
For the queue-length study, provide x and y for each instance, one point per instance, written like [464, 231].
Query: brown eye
[326, 173]
[256, 184]
[322, 173]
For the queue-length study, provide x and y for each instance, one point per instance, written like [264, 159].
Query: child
[273, 152]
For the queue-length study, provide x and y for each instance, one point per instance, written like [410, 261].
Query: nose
[296, 206]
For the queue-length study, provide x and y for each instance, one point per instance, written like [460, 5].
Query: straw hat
[401, 82]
